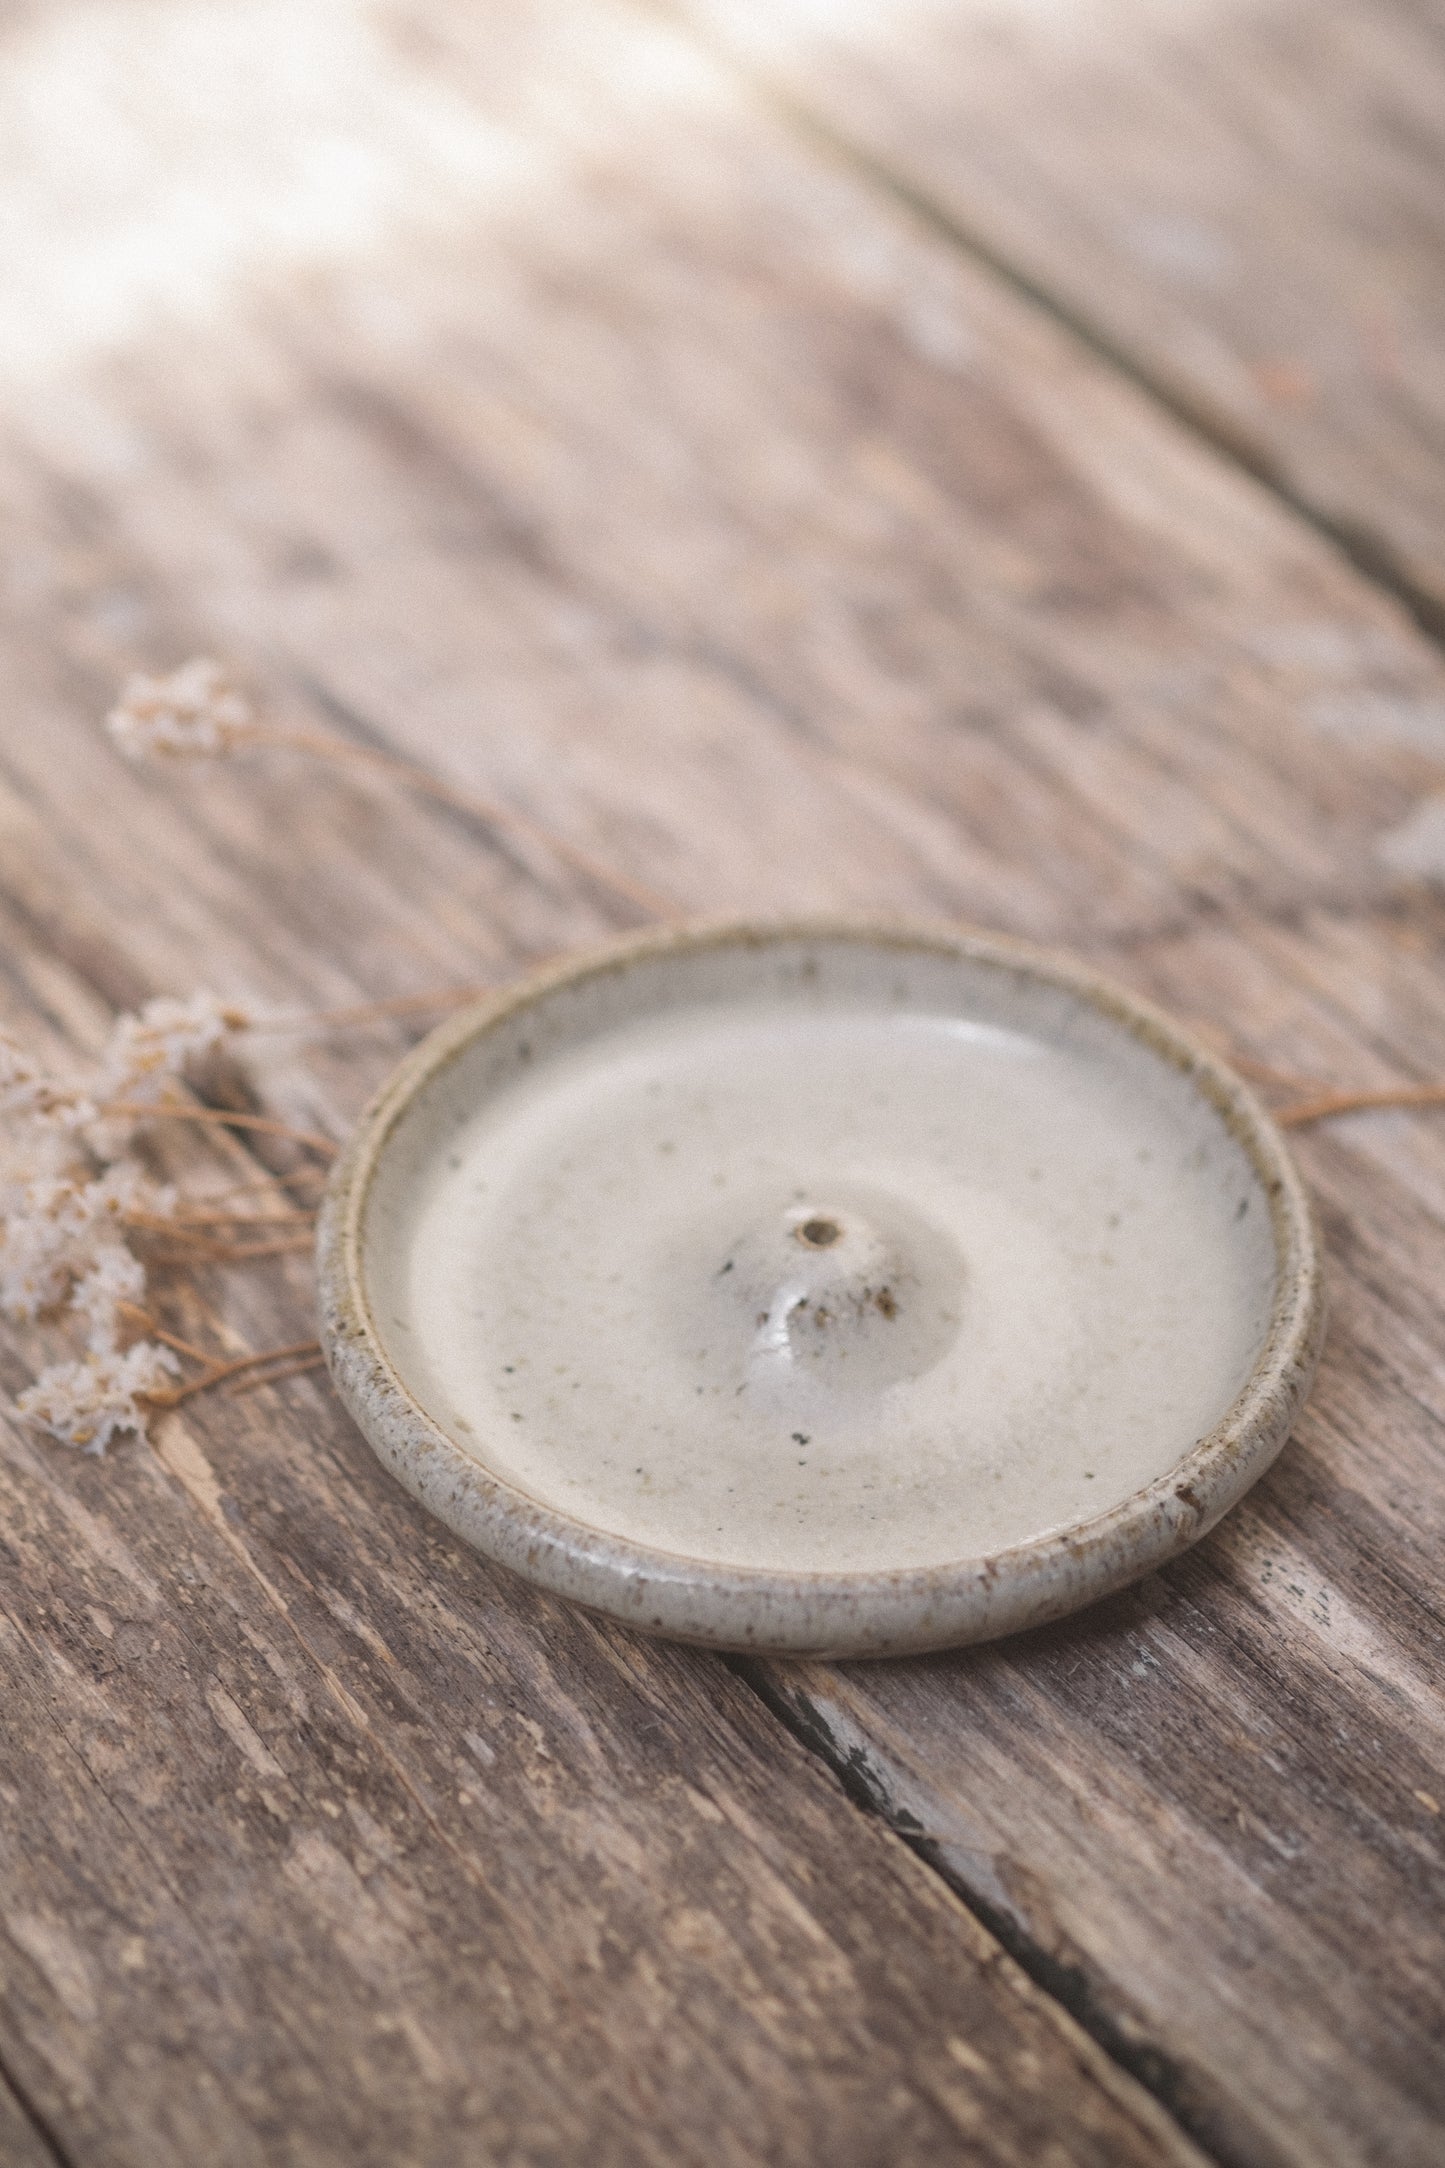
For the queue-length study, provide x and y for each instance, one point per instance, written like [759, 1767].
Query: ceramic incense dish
[827, 1288]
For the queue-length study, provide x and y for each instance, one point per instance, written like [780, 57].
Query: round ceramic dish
[829, 1288]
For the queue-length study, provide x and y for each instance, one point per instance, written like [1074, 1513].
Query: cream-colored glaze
[572, 1265]
[831, 1280]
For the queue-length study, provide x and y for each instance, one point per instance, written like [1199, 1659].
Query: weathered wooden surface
[22, 2143]
[1244, 200]
[330, 1848]
[635, 461]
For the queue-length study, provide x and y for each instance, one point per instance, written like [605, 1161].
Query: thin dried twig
[147, 1324]
[267, 1183]
[172, 1396]
[291, 1361]
[189, 1223]
[198, 712]
[1260, 1072]
[208, 1251]
[1326, 1103]
[223, 1118]
[1316, 1102]
[374, 1012]
[318, 745]
[296, 1368]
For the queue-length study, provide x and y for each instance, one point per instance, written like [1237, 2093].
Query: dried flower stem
[292, 1360]
[174, 1340]
[205, 1251]
[269, 1184]
[375, 1012]
[1260, 1072]
[186, 1222]
[1316, 1102]
[296, 1368]
[172, 1396]
[147, 1324]
[223, 1118]
[1326, 1103]
[319, 745]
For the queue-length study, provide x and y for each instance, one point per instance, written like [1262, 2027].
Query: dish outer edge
[906, 1611]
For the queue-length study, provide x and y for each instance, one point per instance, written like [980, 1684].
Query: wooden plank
[327, 1847]
[323, 1843]
[1244, 204]
[638, 494]
[21, 2140]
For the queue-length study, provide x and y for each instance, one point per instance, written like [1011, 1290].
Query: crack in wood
[1361, 546]
[1070, 1985]
[41, 2129]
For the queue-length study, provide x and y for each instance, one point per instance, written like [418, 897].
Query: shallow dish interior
[1041, 1264]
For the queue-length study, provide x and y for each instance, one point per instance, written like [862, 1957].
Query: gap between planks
[859, 1778]
[1369, 554]
[1065, 1985]
[27, 2138]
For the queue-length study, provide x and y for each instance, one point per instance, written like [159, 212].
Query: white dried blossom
[29, 1094]
[146, 1050]
[115, 1282]
[31, 1154]
[70, 1192]
[193, 713]
[59, 1226]
[85, 1403]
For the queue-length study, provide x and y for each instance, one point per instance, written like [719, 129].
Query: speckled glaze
[842, 1613]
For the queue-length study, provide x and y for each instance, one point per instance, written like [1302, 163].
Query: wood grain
[21, 2139]
[337, 1850]
[1240, 201]
[655, 474]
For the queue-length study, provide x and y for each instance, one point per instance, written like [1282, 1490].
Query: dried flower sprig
[193, 713]
[197, 712]
[73, 1202]
[86, 1403]
[62, 1225]
[148, 1050]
